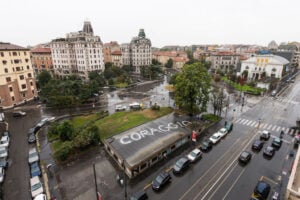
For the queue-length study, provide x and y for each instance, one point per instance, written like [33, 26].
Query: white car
[36, 186]
[2, 173]
[120, 108]
[216, 137]
[33, 156]
[4, 142]
[40, 197]
[3, 152]
[42, 122]
[223, 132]
[194, 155]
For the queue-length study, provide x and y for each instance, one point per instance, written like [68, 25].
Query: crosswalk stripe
[274, 127]
[278, 128]
[283, 128]
[265, 126]
[242, 121]
[237, 121]
[245, 121]
[287, 130]
[250, 122]
[269, 126]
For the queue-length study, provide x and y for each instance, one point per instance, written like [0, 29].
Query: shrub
[64, 151]
[155, 107]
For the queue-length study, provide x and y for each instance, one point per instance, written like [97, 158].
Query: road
[220, 176]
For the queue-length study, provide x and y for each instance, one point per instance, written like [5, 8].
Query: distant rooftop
[9, 46]
[41, 50]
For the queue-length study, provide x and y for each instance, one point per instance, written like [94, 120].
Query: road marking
[278, 128]
[265, 125]
[246, 121]
[287, 130]
[147, 186]
[269, 127]
[242, 121]
[274, 127]
[253, 124]
[238, 120]
[229, 190]
[250, 122]
[268, 179]
[284, 173]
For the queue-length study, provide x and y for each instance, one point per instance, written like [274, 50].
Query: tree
[217, 100]
[192, 88]
[99, 78]
[245, 74]
[43, 78]
[169, 63]
[66, 131]
[155, 62]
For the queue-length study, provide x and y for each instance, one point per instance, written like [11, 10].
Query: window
[32, 91]
[2, 54]
[13, 98]
[26, 60]
[31, 83]
[29, 75]
[5, 70]
[274, 70]
[8, 79]
[21, 77]
[23, 86]
[23, 95]
[4, 62]
[10, 89]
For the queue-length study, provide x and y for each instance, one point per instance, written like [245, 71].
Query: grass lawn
[82, 120]
[122, 121]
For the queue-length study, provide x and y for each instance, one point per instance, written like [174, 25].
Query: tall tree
[43, 78]
[169, 63]
[218, 101]
[192, 88]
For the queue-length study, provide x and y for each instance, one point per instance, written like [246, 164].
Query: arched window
[247, 67]
[274, 70]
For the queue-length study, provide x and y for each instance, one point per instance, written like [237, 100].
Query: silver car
[33, 156]
[3, 152]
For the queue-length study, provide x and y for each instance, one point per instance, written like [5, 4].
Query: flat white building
[78, 54]
[271, 65]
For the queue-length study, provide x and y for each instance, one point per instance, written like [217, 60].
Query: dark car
[31, 138]
[269, 151]
[161, 180]
[257, 145]
[206, 145]
[141, 195]
[35, 169]
[229, 126]
[181, 165]
[261, 190]
[245, 157]
[276, 142]
[19, 113]
[3, 162]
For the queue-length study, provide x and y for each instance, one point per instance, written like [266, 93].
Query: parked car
[33, 155]
[3, 162]
[3, 152]
[40, 197]
[269, 151]
[6, 133]
[276, 142]
[135, 106]
[35, 169]
[31, 138]
[120, 108]
[229, 126]
[216, 137]
[19, 114]
[181, 165]
[274, 92]
[206, 145]
[4, 142]
[2, 174]
[194, 155]
[265, 135]
[261, 190]
[42, 122]
[245, 157]
[223, 132]
[161, 180]
[36, 186]
[140, 195]
[257, 145]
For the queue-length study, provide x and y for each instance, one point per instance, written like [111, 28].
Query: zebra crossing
[265, 126]
[283, 100]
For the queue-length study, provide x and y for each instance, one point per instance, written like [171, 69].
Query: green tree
[99, 78]
[66, 131]
[43, 78]
[217, 99]
[245, 74]
[192, 88]
[169, 63]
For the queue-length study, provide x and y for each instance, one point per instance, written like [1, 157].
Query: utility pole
[95, 179]
[125, 184]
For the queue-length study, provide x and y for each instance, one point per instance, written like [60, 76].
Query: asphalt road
[16, 184]
[219, 175]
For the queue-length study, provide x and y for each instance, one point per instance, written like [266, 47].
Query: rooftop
[9, 46]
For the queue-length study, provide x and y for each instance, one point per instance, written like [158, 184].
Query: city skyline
[165, 23]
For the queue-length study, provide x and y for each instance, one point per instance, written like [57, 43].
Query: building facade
[270, 65]
[108, 48]
[41, 60]
[17, 83]
[138, 53]
[294, 48]
[78, 54]
[116, 57]
[224, 61]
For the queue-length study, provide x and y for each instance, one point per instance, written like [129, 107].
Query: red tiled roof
[180, 59]
[41, 50]
[117, 53]
[8, 46]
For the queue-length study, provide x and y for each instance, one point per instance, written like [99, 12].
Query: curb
[45, 177]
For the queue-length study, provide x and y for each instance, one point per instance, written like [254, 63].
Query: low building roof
[143, 142]
[41, 50]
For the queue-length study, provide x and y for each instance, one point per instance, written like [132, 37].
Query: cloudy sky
[166, 22]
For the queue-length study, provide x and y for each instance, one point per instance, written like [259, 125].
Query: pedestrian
[165, 155]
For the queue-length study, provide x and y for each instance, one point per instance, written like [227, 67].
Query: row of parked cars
[4, 152]
[36, 186]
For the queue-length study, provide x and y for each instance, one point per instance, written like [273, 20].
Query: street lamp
[124, 177]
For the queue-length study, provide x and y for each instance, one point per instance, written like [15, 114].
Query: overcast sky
[166, 22]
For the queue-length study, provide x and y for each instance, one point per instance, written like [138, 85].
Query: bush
[64, 151]
[155, 107]
[87, 137]
[211, 117]
[66, 131]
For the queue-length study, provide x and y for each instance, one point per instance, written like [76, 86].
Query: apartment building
[41, 60]
[78, 54]
[17, 83]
